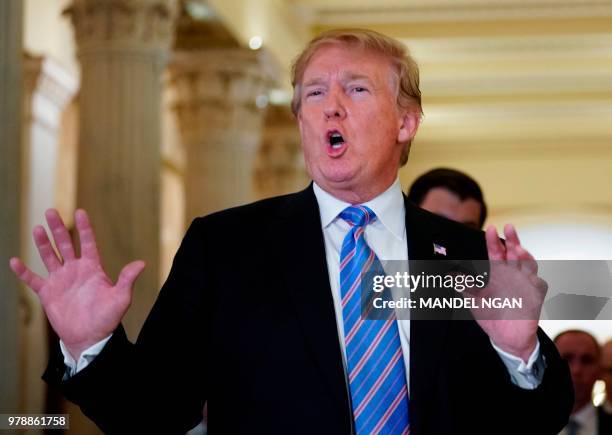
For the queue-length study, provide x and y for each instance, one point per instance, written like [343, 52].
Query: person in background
[582, 352]
[606, 375]
[452, 194]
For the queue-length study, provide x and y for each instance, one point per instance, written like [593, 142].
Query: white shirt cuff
[87, 356]
[528, 376]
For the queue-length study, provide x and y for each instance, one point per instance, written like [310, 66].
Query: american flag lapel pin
[439, 249]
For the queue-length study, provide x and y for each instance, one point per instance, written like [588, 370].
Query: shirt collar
[388, 207]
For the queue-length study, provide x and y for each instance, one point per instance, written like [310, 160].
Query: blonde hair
[406, 69]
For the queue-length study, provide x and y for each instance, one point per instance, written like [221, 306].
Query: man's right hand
[80, 300]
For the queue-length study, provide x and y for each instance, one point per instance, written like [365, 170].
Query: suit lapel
[307, 279]
[427, 338]
[418, 234]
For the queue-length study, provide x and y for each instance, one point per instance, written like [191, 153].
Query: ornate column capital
[215, 92]
[122, 24]
[221, 77]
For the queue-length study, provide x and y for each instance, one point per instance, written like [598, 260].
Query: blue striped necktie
[376, 371]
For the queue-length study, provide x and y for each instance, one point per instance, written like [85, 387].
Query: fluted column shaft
[220, 125]
[122, 48]
[11, 17]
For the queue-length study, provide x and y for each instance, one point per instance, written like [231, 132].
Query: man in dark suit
[584, 356]
[450, 193]
[260, 313]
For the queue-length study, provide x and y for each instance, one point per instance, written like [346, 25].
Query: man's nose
[575, 369]
[334, 107]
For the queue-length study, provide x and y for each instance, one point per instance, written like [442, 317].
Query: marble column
[11, 18]
[279, 165]
[47, 90]
[122, 49]
[215, 93]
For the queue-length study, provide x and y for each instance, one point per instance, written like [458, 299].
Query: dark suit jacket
[604, 421]
[246, 321]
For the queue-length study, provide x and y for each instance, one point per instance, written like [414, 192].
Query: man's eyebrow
[314, 81]
[355, 76]
[346, 77]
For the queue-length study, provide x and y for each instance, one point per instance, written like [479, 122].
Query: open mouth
[336, 144]
[335, 139]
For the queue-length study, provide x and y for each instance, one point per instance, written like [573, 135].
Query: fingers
[89, 249]
[47, 254]
[513, 244]
[60, 234]
[28, 277]
[129, 274]
[514, 251]
[495, 248]
[528, 262]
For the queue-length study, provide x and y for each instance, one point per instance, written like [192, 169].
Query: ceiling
[517, 53]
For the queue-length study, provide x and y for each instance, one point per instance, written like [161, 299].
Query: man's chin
[344, 186]
[338, 179]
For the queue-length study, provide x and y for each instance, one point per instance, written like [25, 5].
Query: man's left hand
[513, 274]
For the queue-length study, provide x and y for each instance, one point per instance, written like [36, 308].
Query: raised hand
[80, 300]
[513, 274]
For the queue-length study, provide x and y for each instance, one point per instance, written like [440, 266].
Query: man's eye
[314, 93]
[359, 89]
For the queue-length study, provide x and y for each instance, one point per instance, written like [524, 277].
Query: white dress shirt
[387, 238]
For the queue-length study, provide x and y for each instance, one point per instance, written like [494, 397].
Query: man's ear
[299, 118]
[410, 124]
